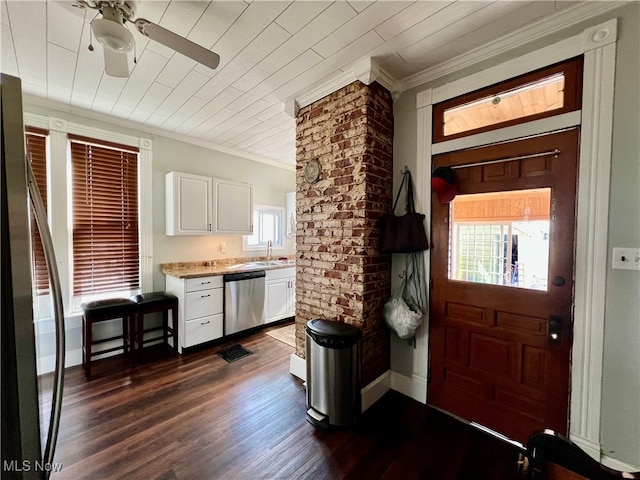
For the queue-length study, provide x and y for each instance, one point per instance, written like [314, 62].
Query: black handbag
[404, 234]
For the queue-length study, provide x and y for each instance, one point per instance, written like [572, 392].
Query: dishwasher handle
[237, 277]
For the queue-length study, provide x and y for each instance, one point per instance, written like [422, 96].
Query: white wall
[621, 376]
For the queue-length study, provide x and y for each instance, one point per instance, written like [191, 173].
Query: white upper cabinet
[198, 205]
[188, 204]
[232, 207]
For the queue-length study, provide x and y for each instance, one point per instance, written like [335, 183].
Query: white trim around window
[59, 176]
[278, 242]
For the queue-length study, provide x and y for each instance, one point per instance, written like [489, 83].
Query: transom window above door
[543, 93]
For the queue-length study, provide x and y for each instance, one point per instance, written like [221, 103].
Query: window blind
[105, 216]
[36, 145]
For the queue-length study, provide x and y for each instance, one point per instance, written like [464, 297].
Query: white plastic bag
[399, 317]
[404, 310]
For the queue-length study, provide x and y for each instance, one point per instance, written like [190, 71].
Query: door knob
[555, 329]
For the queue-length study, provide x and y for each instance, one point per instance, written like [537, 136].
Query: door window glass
[501, 238]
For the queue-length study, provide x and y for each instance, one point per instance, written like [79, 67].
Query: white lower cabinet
[200, 308]
[202, 330]
[280, 295]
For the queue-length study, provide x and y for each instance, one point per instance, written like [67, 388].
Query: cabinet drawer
[203, 283]
[202, 330]
[203, 303]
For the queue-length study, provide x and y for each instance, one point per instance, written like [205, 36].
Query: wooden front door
[502, 285]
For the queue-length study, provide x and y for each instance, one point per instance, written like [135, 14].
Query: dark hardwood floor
[198, 417]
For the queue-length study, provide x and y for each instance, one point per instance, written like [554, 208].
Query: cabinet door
[233, 207]
[277, 295]
[188, 204]
[291, 297]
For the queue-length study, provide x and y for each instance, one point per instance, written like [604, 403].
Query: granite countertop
[209, 268]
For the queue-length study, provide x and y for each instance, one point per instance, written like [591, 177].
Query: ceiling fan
[112, 32]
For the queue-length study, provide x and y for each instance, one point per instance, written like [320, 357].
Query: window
[105, 238]
[544, 93]
[36, 145]
[501, 238]
[267, 225]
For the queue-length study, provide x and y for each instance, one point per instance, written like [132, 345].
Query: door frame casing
[598, 45]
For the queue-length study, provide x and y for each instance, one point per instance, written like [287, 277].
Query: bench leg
[139, 334]
[87, 338]
[174, 328]
[125, 335]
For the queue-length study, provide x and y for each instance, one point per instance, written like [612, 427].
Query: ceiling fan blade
[116, 64]
[177, 43]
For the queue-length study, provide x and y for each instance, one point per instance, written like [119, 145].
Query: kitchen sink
[262, 263]
[271, 263]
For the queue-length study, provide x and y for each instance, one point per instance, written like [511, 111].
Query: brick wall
[341, 273]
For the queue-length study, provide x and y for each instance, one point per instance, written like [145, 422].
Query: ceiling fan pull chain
[135, 54]
[91, 33]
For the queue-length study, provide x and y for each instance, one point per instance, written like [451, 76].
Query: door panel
[492, 359]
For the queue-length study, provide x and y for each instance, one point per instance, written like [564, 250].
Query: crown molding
[367, 71]
[541, 28]
[121, 122]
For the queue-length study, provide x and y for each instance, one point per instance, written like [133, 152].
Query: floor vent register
[233, 353]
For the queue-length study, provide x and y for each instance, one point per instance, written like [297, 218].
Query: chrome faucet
[269, 250]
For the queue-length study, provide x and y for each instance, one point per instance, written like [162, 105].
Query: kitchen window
[268, 225]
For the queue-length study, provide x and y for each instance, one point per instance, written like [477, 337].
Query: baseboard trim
[371, 393]
[413, 387]
[594, 449]
[375, 390]
[298, 367]
[618, 465]
[48, 364]
[589, 446]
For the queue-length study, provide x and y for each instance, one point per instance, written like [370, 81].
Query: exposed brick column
[341, 273]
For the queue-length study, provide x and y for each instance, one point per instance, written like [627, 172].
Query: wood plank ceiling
[270, 52]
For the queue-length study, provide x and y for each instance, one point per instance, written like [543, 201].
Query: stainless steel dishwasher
[243, 301]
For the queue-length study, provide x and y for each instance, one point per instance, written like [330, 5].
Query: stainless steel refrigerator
[27, 452]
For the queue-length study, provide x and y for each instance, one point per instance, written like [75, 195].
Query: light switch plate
[626, 258]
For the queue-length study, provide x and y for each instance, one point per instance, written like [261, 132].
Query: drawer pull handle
[204, 323]
[205, 283]
[204, 296]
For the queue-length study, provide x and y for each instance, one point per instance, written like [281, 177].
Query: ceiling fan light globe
[112, 35]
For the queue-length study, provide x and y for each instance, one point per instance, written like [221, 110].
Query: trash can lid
[321, 327]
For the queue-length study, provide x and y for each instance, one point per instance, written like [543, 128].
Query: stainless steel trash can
[333, 373]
